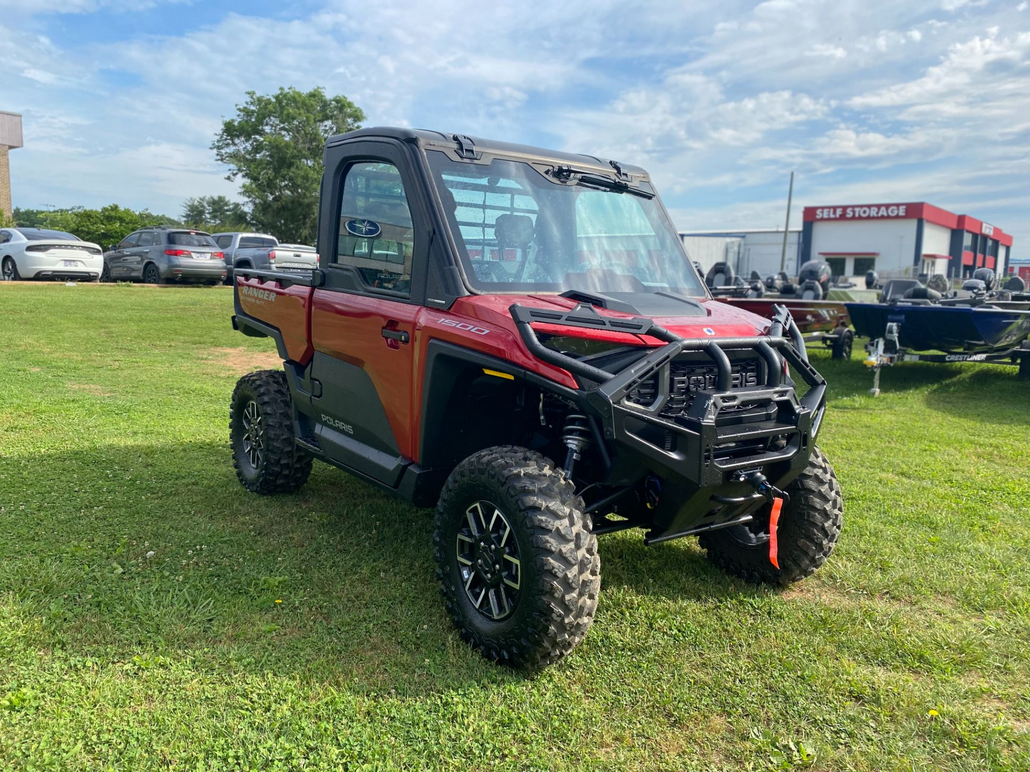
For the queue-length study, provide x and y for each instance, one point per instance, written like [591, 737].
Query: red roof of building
[906, 211]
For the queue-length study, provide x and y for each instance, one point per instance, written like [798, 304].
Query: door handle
[398, 335]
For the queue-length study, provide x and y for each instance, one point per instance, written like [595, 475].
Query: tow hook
[776, 497]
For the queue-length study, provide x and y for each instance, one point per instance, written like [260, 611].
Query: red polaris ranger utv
[516, 336]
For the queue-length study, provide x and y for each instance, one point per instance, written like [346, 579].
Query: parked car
[231, 242]
[161, 255]
[36, 253]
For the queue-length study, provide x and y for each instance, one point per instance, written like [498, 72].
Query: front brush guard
[709, 490]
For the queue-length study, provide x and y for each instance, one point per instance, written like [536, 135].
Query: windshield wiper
[567, 175]
[617, 186]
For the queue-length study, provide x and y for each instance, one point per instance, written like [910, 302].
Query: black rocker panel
[351, 424]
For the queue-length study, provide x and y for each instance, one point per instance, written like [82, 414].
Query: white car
[36, 253]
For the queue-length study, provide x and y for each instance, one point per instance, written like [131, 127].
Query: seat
[811, 290]
[922, 293]
[720, 275]
[514, 231]
[1016, 284]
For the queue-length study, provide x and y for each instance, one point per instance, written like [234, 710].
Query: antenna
[786, 227]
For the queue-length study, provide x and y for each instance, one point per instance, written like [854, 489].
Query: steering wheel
[490, 271]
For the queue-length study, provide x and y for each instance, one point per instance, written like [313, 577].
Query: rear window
[256, 242]
[38, 234]
[191, 239]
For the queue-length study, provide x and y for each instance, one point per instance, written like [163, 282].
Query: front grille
[687, 377]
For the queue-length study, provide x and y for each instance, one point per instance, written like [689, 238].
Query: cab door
[364, 321]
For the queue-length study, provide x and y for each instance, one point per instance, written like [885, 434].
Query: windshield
[191, 239]
[520, 231]
[36, 234]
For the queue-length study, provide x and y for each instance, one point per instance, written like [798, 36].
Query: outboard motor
[872, 280]
[817, 271]
[988, 277]
[720, 275]
[939, 283]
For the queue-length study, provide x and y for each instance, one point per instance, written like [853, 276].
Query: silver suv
[162, 255]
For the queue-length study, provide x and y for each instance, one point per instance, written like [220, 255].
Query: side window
[256, 242]
[146, 239]
[376, 235]
[129, 241]
[224, 242]
[4, 237]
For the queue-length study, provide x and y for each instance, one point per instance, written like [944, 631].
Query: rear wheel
[843, 345]
[517, 561]
[264, 454]
[151, 274]
[809, 527]
[9, 270]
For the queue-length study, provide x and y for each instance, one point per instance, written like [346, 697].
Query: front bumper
[699, 434]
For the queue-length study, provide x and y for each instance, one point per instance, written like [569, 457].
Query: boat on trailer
[977, 324]
[820, 320]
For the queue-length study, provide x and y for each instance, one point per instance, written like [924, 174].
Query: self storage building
[902, 240]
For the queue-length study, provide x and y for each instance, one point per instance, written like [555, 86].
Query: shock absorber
[576, 437]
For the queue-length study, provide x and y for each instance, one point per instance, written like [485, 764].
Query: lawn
[155, 616]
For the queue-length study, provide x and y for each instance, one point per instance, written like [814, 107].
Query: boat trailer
[886, 351]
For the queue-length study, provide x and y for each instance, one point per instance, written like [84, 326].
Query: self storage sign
[871, 212]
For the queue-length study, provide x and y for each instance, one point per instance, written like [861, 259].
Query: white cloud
[718, 99]
[825, 49]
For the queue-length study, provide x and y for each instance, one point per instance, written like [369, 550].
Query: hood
[686, 317]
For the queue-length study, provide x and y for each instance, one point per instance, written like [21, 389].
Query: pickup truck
[517, 336]
[259, 250]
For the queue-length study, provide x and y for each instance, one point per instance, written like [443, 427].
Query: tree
[194, 212]
[105, 226]
[214, 213]
[275, 145]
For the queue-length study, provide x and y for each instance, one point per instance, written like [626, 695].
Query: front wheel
[105, 273]
[809, 527]
[264, 453]
[516, 558]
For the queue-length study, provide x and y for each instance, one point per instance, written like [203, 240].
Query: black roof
[437, 139]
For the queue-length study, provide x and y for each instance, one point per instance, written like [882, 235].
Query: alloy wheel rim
[489, 561]
[253, 440]
[8, 269]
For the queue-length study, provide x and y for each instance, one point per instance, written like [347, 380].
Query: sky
[867, 101]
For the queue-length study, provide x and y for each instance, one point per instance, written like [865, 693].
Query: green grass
[153, 615]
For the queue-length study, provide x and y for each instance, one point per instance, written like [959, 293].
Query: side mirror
[112, 247]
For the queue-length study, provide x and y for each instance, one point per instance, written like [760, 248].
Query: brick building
[10, 139]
